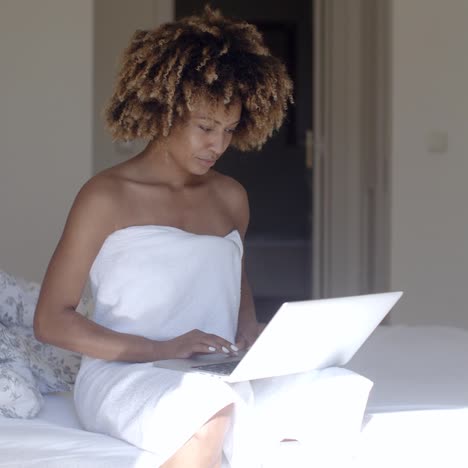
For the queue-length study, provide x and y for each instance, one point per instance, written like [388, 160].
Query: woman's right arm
[91, 219]
[93, 216]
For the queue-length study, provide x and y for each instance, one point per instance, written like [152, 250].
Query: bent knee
[217, 425]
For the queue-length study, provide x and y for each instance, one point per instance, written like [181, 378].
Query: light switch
[437, 142]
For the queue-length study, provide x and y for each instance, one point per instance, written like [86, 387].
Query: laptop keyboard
[222, 368]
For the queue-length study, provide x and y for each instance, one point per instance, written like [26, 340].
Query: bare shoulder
[91, 219]
[97, 203]
[230, 188]
[98, 193]
[234, 198]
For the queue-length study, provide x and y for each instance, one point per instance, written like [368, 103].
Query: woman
[160, 237]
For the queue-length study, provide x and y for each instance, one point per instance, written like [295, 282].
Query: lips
[207, 162]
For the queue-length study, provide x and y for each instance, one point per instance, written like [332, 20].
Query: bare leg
[204, 449]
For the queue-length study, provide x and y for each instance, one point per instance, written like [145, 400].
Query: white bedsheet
[410, 439]
[415, 368]
[413, 439]
[423, 370]
[418, 407]
[55, 440]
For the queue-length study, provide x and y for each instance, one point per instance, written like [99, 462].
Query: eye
[205, 129]
[231, 130]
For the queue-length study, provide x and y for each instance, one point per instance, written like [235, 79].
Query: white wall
[48, 117]
[429, 236]
[115, 22]
[58, 62]
[45, 124]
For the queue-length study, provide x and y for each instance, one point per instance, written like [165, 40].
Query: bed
[417, 413]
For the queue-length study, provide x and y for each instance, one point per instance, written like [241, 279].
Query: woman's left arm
[248, 327]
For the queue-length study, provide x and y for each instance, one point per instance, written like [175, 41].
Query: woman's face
[197, 143]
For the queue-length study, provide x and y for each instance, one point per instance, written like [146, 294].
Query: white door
[350, 199]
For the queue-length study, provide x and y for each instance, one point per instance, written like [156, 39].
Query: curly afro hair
[164, 71]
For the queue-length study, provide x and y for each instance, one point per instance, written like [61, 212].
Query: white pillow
[27, 366]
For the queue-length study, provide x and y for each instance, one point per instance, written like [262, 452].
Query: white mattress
[414, 439]
[420, 370]
[418, 407]
[55, 440]
[415, 368]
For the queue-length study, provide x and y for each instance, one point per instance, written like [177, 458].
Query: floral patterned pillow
[19, 394]
[27, 366]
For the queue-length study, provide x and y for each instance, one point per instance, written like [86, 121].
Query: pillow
[18, 300]
[29, 367]
[19, 395]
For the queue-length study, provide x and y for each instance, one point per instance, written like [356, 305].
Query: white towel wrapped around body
[161, 282]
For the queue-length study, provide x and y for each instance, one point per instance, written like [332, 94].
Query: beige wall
[115, 22]
[58, 62]
[429, 237]
[45, 124]
[51, 142]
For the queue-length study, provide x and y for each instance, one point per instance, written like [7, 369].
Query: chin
[199, 171]
[204, 171]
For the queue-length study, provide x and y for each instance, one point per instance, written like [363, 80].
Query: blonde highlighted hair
[164, 71]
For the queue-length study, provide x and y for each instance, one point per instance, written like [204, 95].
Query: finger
[218, 339]
[228, 348]
[203, 348]
[222, 345]
[211, 344]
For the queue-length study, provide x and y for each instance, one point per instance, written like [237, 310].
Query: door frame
[350, 227]
[351, 144]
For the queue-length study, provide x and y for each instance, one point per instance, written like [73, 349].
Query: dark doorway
[277, 245]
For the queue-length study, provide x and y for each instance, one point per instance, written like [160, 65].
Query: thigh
[154, 409]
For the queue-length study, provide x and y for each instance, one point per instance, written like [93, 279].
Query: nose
[219, 142]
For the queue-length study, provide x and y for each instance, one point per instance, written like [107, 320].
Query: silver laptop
[301, 336]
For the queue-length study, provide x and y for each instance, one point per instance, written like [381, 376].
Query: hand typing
[197, 341]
